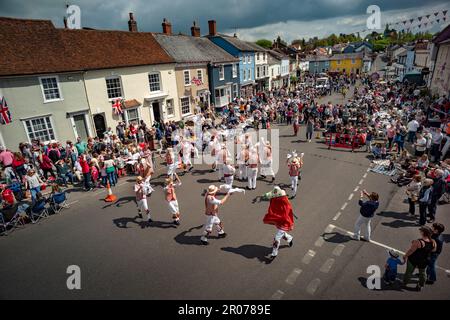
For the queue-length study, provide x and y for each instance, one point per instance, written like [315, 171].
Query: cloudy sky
[252, 19]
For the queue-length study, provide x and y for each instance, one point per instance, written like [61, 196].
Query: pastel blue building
[318, 64]
[242, 50]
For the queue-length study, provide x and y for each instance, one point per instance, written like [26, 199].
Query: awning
[127, 104]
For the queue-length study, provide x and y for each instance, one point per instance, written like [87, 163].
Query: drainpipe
[91, 118]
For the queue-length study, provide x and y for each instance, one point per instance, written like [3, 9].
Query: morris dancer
[171, 199]
[281, 215]
[187, 149]
[294, 163]
[252, 169]
[171, 162]
[211, 211]
[266, 162]
[242, 159]
[141, 200]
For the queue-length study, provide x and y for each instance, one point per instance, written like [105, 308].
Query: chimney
[212, 27]
[167, 27]
[195, 30]
[132, 24]
[65, 22]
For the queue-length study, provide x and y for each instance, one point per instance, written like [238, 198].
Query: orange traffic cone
[110, 197]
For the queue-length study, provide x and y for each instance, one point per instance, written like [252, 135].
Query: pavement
[120, 260]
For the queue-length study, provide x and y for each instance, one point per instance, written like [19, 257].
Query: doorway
[100, 124]
[81, 126]
[156, 112]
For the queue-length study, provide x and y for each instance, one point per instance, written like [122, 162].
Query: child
[103, 173]
[141, 200]
[94, 175]
[390, 273]
[171, 199]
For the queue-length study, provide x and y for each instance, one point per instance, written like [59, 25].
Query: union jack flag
[5, 115]
[117, 106]
[196, 81]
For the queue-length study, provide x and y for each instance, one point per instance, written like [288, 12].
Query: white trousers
[220, 169]
[277, 240]
[252, 175]
[242, 171]
[210, 222]
[294, 182]
[360, 222]
[229, 181]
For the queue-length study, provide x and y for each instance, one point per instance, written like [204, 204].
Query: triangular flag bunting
[444, 12]
[420, 18]
[411, 20]
[426, 24]
[428, 16]
[419, 26]
[437, 20]
[436, 13]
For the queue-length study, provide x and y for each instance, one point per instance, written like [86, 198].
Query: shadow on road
[120, 202]
[184, 238]
[402, 219]
[123, 222]
[335, 237]
[207, 181]
[253, 251]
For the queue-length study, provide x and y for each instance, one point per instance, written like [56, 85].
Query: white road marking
[361, 181]
[365, 175]
[338, 250]
[381, 245]
[344, 206]
[337, 216]
[356, 189]
[308, 256]
[293, 276]
[326, 267]
[312, 286]
[329, 228]
[277, 295]
[72, 202]
[319, 242]
[350, 197]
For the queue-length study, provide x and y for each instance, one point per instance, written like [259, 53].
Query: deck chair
[11, 217]
[58, 202]
[3, 225]
[39, 210]
[16, 187]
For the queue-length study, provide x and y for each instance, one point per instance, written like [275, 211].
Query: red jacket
[280, 214]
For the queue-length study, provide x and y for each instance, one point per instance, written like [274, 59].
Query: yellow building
[347, 63]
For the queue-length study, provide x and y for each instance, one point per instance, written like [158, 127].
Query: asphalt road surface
[120, 260]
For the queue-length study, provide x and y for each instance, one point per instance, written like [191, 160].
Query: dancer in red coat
[280, 215]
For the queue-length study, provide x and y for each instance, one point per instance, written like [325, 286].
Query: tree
[267, 44]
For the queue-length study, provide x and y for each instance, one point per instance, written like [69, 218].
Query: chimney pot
[167, 27]
[195, 30]
[132, 24]
[212, 27]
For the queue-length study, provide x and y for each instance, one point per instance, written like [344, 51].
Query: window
[235, 90]
[154, 82]
[339, 62]
[264, 56]
[221, 73]
[170, 108]
[200, 75]
[257, 56]
[185, 105]
[50, 89]
[316, 64]
[131, 115]
[187, 78]
[272, 72]
[249, 59]
[244, 59]
[258, 72]
[235, 70]
[245, 75]
[353, 61]
[249, 74]
[40, 128]
[114, 88]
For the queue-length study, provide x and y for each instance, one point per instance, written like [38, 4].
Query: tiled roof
[36, 47]
[239, 44]
[188, 49]
[442, 36]
[277, 55]
[357, 55]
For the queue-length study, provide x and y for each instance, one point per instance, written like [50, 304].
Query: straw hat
[428, 182]
[212, 189]
[139, 179]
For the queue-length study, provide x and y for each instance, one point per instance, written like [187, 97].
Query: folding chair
[39, 210]
[58, 202]
[16, 187]
[15, 218]
[3, 225]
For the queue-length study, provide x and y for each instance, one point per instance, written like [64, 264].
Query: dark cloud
[230, 14]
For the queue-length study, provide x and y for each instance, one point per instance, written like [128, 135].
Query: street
[120, 260]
